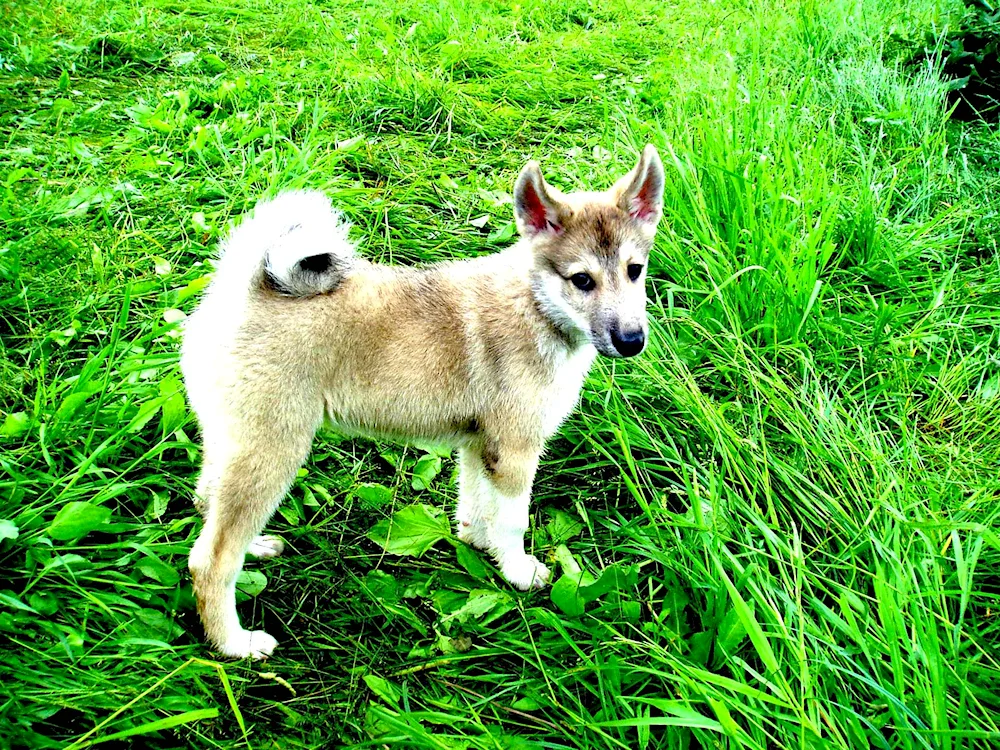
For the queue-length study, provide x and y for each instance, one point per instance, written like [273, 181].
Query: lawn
[778, 528]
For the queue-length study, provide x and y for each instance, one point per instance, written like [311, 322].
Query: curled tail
[295, 244]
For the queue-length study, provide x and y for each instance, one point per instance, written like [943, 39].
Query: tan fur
[487, 355]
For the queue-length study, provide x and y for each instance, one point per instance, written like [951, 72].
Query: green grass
[790, 501]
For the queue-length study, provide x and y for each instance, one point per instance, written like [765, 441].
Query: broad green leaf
[159, 571]
[77, 519]
[19, 174]
[195, 287]
[157, 506]
[161, 266]
[631, 611]
[566, 560]
[382, 586]
[251, 582]
[71, 404]
[731, 634]
[502, 234]
[411, 531]
[374, 496]
[309, 498]
[383, 589]
[565, 594]
[383, 689]
[448, 645]
[434, 449]
[451, 52]
[469, 559]
[615, 577]
[8, 530]
[563, 527]
[700, 646]
[212, 63]
[479, 604]
[44, 603]
[173, 411]
[424, 471]
[575, 590]
[290, 511]
[146, 412]
[14, 424]
[69, 560]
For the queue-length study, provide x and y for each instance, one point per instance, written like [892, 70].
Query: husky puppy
[486, 354]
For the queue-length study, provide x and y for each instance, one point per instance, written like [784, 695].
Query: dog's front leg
[508, 471]
[475, 511]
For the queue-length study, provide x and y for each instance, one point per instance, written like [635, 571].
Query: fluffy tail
[295, 244]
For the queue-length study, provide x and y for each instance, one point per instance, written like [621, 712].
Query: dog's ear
[537, 208]
[640, 192]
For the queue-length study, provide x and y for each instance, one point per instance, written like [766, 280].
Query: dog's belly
[454, 413]
[398, 419]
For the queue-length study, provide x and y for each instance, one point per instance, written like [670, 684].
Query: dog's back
[392, 351]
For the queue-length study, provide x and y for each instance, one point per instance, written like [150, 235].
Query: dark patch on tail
[312, 275]
[316, 263]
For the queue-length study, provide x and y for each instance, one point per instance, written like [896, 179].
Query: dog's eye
[582, 281]
[634, 271]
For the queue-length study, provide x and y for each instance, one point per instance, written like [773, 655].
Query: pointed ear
[536, 206]
[640, 192]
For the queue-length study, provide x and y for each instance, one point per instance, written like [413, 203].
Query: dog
[487, 355]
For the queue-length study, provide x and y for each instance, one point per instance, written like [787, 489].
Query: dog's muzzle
[628, 343]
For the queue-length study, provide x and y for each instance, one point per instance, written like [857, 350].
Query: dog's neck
[565, 335]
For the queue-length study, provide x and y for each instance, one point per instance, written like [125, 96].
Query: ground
[775, 529]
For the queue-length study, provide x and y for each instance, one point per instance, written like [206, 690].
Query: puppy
[486, 354]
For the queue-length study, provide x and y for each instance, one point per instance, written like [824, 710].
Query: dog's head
[590, 252]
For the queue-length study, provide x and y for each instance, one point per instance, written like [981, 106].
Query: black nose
[628, 343]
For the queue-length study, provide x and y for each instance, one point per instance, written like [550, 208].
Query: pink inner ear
[642, 204]
[534, 210]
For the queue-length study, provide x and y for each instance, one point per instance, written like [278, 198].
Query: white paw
[266, 546]
[525, 572]
[253, 643]
[472, 532]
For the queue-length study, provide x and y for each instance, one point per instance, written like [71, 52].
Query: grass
[787, 509]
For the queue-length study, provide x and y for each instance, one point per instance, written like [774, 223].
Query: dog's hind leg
[207, 481]
[251, 482]
[261, 547]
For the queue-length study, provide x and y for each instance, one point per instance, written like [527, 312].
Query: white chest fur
[563, 393]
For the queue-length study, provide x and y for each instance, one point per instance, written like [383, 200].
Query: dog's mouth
[611, 353]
